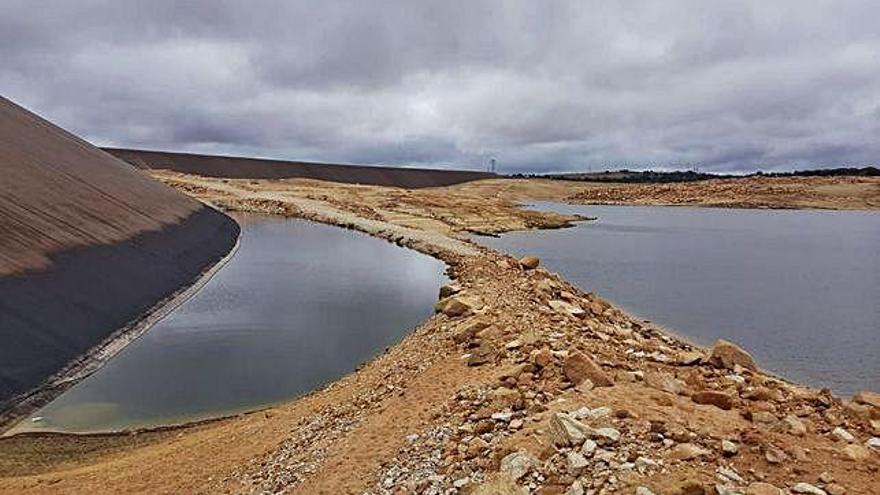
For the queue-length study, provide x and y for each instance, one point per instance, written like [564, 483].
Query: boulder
[728, 355]
[529, 262]
[518, 464]
[579, 367]
[791, 424]
[718, 399]
[468, 330]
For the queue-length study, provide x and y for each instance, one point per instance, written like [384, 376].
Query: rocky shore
[521, 383]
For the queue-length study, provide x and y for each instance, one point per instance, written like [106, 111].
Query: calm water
[299, 305]
[799, 289]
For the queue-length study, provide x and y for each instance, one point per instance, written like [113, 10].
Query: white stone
[808, 489]
[843, 435]
[873, 443]
[577, 463]
[606, 435]
[588, 448]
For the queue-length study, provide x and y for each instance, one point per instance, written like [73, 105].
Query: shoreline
[96, 357]
[376, 429]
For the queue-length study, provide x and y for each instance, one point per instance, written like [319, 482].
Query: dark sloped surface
[88, 244]
[252, 168]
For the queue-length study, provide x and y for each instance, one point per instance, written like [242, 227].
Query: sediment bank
[523, 383]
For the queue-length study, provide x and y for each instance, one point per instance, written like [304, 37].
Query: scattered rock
[761, 488]
[807, 489]
[688, 451]
[873, 443]
[577, 463]
[456, 306]
[529, 262]
[643, 490]
[566, 431]
[518, 464]
[728, 448]
[729, 355]
[579, 367]
[567, 308]
[843, 435]
[689, 358]
[791, 424]
[606, 436]
[717, 399]
[774, 455]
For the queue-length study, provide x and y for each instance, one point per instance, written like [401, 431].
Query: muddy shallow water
[799, 289]
[299, 305]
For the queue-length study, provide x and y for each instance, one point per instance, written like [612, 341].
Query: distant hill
[652, 177]
[88, 245]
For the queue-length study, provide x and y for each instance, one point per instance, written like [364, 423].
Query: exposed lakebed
[798, 289]
[297, 306]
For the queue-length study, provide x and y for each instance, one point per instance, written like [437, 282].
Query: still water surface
[799, 289]
[299, 305]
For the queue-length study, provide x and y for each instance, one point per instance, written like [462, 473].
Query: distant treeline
[653, 177]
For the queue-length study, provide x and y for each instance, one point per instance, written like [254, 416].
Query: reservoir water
[799, 289]
[297, 306]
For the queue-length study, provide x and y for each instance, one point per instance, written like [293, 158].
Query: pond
[799, 289]
[299, 305]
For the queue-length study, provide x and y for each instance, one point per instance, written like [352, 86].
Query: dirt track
[408, 420]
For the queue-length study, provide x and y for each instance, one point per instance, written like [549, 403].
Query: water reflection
[299, 305]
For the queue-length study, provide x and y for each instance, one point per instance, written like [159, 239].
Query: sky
[542, 86]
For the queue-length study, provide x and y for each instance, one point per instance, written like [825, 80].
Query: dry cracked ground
[521, 383]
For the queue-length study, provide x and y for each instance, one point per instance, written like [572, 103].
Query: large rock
[718, 399]
[529, 262]
[579, 367]
[728, 355]
[567, 308]
[566, 431]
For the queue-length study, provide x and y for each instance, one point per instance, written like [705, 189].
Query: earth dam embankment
[89, 245]
[232, 167]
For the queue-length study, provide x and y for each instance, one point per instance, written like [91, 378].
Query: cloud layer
[543, 86]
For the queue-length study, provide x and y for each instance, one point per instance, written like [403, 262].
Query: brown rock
[505, 398]
[481, 355]
[579, 367]
[687, 451]
[774, 455]
[761, 488]
[529, 262]
[869, 398]
[715, 398]
[468, 330]
[542, 358]
[449, 290]
[456, 306]
[728, 355]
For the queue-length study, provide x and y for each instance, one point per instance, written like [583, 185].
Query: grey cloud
[544, 86]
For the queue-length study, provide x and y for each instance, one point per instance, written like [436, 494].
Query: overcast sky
[542, 85]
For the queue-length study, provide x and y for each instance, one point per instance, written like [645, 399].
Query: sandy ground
[442, 411]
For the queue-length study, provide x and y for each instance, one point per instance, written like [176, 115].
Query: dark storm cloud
[541, 85]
